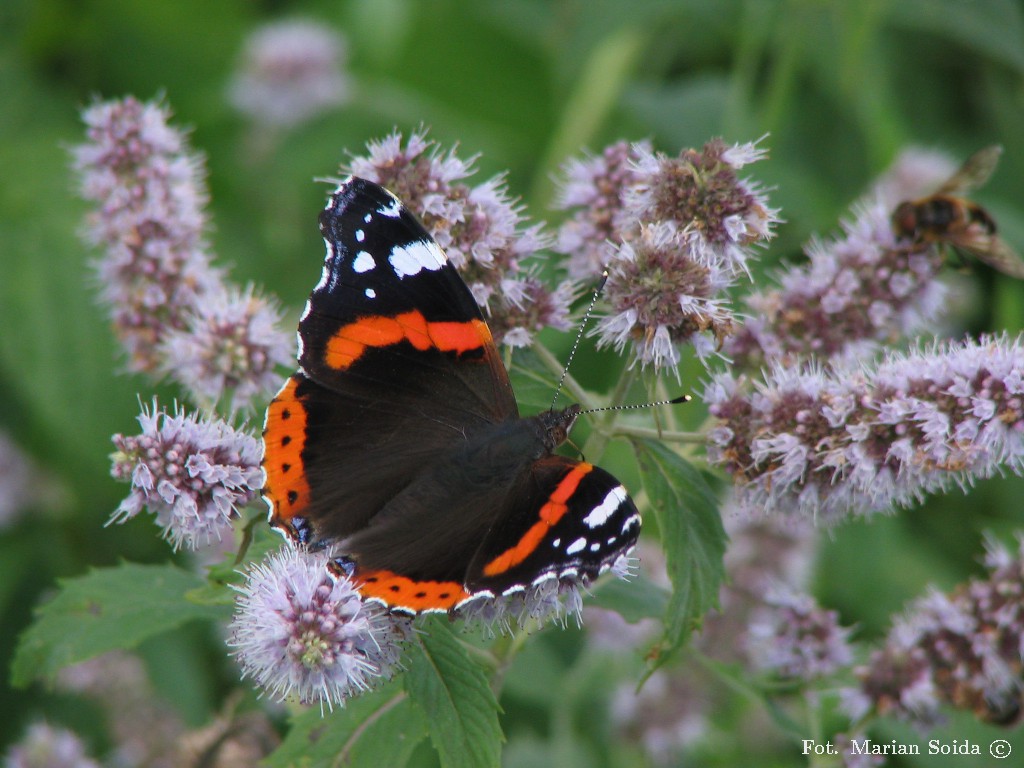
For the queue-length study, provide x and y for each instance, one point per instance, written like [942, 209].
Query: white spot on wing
[368, 218]
[556, 542]
[576, 546]
[392, 209]
[409, 259]
[599, 515]
[363, 262]
[360, 235]
[370, 293]
[595, 546]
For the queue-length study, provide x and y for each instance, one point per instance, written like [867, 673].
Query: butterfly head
[556, 425]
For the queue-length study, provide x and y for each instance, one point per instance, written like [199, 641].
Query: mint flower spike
[857, 291]
[718, 215]
[674, 234]
[661, 294]
[301, 633]
[592, 189]
[290, 72]
[229, 349]
[149, 194]
[482, 230]
[170, 307]
[825, 444]
[961, 649]
[792, 636]
[192, 473]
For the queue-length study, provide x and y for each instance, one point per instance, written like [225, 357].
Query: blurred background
[838, 87]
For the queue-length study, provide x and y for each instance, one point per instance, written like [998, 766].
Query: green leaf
[453, 692]
[104, 610]
[376, 729]
[692, 536]
[633, 599]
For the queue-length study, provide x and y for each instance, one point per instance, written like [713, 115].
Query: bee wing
[975, 171]
[992, 250]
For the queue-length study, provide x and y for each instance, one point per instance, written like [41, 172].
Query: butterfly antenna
[579, 335]
[673, 401]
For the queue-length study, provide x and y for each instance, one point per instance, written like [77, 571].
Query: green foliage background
[839, 86]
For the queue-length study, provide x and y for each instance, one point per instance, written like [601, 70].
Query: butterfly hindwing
[571, 519]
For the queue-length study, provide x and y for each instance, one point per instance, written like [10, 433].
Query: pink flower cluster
[823, 444]
[170, 307]
[673, 233]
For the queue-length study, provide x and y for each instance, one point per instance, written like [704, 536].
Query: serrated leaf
[453, 692]
[104, 610]
[692, 536]
[376, 729]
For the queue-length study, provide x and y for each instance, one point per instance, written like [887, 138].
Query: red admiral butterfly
[399, 437]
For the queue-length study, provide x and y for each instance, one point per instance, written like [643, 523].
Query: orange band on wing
[284, 437]
[552, 511]
[350, 341]
[403, 593]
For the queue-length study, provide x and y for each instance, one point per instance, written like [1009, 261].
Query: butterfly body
[399, 441]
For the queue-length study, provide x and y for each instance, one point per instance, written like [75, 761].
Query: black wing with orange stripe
[572, 520]
[396, 365]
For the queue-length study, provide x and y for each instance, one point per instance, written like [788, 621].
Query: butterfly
[399, 442]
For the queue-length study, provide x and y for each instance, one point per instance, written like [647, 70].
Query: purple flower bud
[481, 228]
[855, 293]
[700, 194]
[593, 189]
[793, 637]
[528, 306]
[663, 293]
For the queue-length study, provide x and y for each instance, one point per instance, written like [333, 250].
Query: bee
[946, 218]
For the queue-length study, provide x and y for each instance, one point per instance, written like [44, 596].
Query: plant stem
[554, 365]
[595, 445]
[668, 435]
